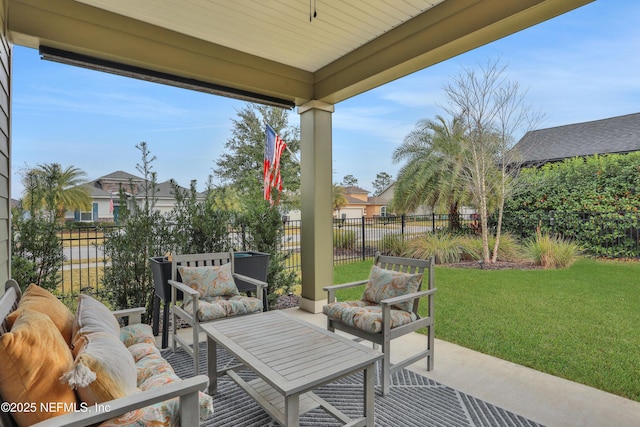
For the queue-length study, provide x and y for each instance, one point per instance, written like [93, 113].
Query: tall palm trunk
[454, 217]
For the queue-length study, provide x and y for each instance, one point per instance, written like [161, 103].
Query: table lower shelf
[274, 403]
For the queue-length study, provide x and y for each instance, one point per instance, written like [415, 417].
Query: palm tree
[433, 174]
[339, 199]
[50, 187]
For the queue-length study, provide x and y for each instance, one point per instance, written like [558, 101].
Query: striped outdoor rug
[414, 401]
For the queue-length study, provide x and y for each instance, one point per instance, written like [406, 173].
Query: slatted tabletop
[289, 355]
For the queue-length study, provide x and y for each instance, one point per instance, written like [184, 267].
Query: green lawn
[580, 323]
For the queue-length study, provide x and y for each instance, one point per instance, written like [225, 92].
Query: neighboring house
[614, 135]
[361, 204]
[356, 206]
[387, 196]
[105, 195]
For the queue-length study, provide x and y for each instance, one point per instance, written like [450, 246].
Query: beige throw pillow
[93, 316]
[103, 368]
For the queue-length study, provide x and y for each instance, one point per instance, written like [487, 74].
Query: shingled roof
[614, 135]
[104, 186]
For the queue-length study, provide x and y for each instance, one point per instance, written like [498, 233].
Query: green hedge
[593, 200]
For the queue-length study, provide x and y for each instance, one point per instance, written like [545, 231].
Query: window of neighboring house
[383, 211]
[89, 216]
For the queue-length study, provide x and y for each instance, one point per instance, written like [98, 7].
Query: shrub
[444, 247]
[394, 244]
[344, 239]
[128, 282]
[262, 231]
[36, 249]
[198, 227]
[552, 252]
[510, 248]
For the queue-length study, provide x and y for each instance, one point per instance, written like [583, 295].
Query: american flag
[111, 204]
[271, 171]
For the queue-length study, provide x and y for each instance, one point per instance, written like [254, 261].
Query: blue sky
[581, 66]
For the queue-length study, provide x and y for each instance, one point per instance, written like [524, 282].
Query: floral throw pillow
[210, 281]
[387, 284]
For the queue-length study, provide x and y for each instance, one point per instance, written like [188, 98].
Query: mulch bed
[286, 301]
[499, 265]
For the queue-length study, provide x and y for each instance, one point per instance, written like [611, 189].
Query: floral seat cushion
[153, 371]
[212, 308]
[137, 333]
[366, 315]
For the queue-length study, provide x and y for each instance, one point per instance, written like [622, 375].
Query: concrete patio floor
[543, 398]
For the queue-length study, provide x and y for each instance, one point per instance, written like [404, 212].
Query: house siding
[100, 209]
[5, 150]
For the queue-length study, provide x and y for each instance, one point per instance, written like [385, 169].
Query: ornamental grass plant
[551, 251]
[510, 249]
[394, 244]
[445, 248]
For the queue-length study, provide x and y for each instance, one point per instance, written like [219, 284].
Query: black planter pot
[161, 270]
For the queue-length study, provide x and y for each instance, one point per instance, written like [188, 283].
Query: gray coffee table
[290, 357]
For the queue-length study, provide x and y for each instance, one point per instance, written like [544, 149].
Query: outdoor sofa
[61, 369]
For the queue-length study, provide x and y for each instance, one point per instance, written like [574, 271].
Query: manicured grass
[580, 323]
[76, 279]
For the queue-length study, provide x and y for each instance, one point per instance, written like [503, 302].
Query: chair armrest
[331, 290]
[184, 288]
[345, 285]
[259, 284]
[186, 389]
[134, 315]
[407, 297]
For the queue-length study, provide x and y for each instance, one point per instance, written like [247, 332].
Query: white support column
[316, 234]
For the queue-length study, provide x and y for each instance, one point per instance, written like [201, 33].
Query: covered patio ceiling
[273, 51]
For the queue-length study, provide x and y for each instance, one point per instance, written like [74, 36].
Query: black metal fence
[359, 238]
[83, 257]
[354, 238]
[610, 235]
